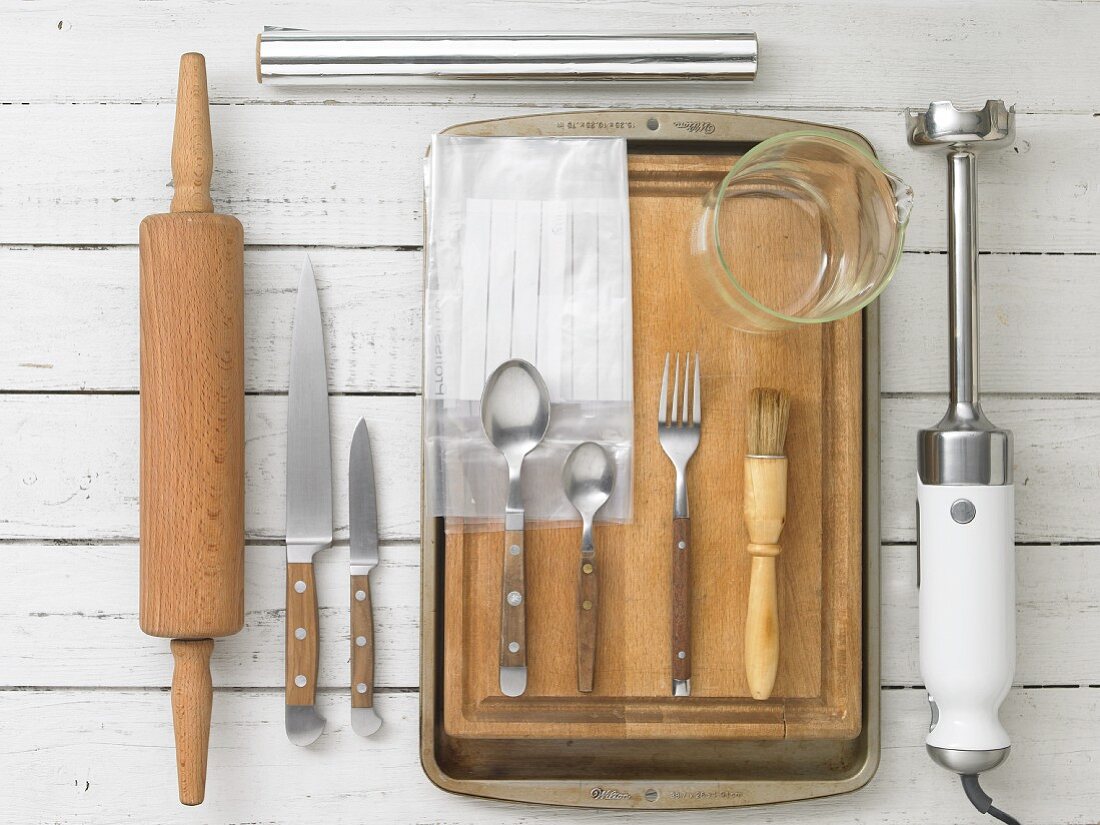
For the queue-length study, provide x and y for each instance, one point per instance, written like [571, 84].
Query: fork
[678, 430]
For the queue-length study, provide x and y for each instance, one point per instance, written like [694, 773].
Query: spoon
[588, 478]
[515, 411]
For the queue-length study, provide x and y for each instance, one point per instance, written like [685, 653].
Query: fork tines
[689, 411]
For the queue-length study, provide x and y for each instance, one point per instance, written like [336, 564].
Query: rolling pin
[192, 427]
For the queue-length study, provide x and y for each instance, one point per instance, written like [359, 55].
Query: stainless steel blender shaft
[962, 242]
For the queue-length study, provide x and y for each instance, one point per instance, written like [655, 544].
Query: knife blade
[363, 511]
[308, 507]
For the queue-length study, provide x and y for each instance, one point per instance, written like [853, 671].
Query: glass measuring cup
[806, 228]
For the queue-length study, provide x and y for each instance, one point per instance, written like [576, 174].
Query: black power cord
[983, 801]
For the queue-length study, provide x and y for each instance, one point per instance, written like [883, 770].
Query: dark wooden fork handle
[681, 600]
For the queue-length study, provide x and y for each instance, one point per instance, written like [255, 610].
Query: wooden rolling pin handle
[192, 698]
[192, 148]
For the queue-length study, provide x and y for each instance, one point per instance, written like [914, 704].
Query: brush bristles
[769, 411]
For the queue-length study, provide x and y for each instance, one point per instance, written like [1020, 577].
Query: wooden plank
[1057, 443]
[1056, 608]
[68, 467]
[352, 176]
[80, 603]
[98, 42]
[1038, 327]
[77, 753]
[370, 300]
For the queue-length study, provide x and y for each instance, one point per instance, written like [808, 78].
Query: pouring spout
[903, 199]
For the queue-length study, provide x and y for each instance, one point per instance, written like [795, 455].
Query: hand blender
[967, 578]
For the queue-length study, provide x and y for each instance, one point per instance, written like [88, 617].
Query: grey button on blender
[962, 511]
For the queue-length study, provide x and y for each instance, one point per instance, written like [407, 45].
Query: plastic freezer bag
[528, 256]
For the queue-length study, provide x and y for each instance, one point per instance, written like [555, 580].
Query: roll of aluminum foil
[296, 56]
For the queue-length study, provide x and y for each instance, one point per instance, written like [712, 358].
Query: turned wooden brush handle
[765, 512]
[762, 623]
[192, 148]
[192, 699]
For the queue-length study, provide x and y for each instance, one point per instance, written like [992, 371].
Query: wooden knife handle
[301, 634]
[681, 598]
[192, 148]
[362, 644]
[192, 698]
[513, 617]
[587, 601]
[762, 622]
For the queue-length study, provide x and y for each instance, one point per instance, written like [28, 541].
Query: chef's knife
[364, 558]
[308, 508]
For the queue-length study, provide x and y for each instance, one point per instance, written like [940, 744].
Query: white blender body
[967, 613]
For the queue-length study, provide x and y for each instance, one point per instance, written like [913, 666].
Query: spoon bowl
[515, 409]
[588, 479]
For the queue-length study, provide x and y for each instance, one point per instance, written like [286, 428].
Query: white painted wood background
[85, 126]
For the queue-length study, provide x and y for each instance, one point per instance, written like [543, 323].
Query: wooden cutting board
[817, 691]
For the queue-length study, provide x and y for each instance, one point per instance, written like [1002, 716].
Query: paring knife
[364, 558]
[308, 508]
